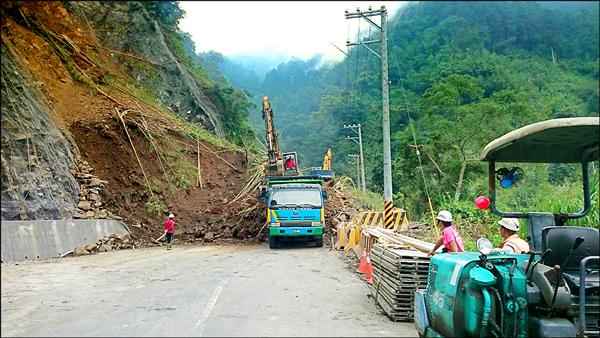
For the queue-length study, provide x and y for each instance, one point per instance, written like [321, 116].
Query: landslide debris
[99, 126]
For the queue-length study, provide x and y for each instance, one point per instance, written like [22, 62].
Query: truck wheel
[272, 242]
[319, 242]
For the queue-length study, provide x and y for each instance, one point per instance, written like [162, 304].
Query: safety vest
[516, 244]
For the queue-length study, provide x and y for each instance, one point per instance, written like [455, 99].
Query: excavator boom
[275, 162]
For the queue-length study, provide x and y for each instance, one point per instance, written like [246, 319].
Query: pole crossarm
[358, 14]
[349, 44]
[353, 138]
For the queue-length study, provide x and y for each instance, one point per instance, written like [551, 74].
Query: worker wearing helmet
[509, 228]
[450, 237]
[169, 228]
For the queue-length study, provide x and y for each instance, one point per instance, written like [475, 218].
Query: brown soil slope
[88, 113]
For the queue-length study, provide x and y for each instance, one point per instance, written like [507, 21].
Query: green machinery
[551, 291]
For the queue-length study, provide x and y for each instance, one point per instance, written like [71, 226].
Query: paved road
[192, 291]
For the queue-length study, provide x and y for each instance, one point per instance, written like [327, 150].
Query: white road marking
[209, 307]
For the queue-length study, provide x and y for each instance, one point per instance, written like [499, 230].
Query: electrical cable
[362, 87]
[412, 128]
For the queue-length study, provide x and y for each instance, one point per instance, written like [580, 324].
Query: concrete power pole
[387, 155]
[358, 140]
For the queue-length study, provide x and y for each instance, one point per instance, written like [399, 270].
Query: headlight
[484, 246]
[315, 224]
[276, 224]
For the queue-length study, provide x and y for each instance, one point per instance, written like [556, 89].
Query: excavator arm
[275, 162]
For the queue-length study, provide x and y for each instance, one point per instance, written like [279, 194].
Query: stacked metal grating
[397, 273]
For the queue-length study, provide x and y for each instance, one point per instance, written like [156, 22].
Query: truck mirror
[325, 195]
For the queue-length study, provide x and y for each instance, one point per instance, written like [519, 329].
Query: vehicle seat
[560, 239]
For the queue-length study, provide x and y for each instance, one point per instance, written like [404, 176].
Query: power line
[412, 128]
[385, 103]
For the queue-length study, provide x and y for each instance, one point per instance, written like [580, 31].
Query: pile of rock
[340, 206]
[106, 244]
[90, 188]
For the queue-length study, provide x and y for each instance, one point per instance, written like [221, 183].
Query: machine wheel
[319, 242]
[272, 242]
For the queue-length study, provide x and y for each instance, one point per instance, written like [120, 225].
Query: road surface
[192, 291]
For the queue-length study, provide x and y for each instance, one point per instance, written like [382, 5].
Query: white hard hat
[444, 216]
[510, 223]
[171, 216]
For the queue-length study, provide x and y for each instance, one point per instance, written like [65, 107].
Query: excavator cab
[290, 164]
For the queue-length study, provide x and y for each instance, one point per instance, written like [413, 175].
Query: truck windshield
[295, 198]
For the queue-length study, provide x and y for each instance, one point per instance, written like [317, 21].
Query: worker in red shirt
[290, 163]
[169, 228]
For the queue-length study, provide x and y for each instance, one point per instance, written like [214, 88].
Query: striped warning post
[400, 219]
[370, 218]
[388, 215]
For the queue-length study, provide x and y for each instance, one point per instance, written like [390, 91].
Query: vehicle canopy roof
[565, 140]
[287, 185]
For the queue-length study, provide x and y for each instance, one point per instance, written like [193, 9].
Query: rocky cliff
[102, 119]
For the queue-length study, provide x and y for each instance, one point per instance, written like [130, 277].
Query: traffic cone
[369, 271]
[362, 266]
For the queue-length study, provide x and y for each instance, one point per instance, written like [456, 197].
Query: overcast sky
[300, 29]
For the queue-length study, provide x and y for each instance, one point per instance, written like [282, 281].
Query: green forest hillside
[464, 72]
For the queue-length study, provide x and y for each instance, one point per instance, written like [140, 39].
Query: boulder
[80, 251]
[102, 214]
[94, 197]
[84, 205]
[91, 247]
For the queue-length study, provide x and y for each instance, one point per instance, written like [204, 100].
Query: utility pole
[357, 158]
[357, 129]
[387, 155]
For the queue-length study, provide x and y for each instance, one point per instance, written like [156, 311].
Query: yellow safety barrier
[342, 239]
[351, 240]
[375, 218]
[357, 231]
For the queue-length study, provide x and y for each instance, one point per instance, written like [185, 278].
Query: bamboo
[136, 155]
[199, 168]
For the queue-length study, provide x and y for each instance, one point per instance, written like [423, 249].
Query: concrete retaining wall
[30, 240]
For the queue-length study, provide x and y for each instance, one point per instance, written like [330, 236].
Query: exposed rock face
[90, 204]
[36, 157]
[127, 27]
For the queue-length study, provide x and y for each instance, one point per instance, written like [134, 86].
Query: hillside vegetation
[464, 73]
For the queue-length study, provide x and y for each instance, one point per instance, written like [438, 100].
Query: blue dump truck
[294, 209]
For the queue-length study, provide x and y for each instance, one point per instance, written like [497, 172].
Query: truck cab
[294, 209]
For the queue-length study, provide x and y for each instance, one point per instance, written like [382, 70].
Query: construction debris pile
[339, 208]
[397, 273]
[106, 244]
[90, 204]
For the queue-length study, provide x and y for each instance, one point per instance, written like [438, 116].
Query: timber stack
[398, 271]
